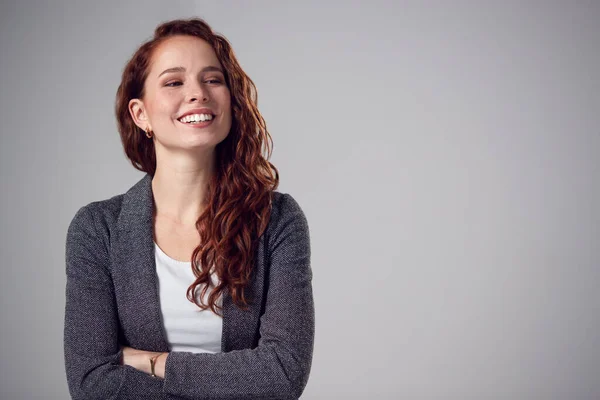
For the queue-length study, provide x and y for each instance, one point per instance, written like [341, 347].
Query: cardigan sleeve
[278, 368]
[91, 350]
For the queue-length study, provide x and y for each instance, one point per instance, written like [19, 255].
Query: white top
[187, 327]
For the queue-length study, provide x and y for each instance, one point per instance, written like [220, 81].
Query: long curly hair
[239, 194]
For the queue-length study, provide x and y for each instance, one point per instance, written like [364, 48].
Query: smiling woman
[196, 283]
[196, 78]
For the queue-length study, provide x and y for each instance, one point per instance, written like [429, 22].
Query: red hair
[239, 194]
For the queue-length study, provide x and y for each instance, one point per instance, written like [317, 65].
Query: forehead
[187, 51]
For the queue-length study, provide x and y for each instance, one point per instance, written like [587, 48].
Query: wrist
[156, 364]
[151, 363]
[161, 363]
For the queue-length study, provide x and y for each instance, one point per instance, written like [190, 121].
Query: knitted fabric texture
[112, 300]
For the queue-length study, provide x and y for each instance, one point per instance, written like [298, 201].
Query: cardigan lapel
[134, 268]
[136, 281]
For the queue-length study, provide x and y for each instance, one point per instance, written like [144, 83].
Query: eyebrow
[182, 69]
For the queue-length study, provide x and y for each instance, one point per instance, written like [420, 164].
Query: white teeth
[196, 118]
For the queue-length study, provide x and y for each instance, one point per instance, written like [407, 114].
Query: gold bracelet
[153, 363]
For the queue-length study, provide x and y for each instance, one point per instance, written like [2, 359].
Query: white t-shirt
[187, 327]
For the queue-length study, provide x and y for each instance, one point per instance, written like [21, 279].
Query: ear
[138, 114]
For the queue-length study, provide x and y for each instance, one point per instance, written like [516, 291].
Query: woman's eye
[171, 83]
[213, 81]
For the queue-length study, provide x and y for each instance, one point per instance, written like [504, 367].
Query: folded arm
[91, 349]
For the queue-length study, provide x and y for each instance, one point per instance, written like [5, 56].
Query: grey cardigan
[112, 299]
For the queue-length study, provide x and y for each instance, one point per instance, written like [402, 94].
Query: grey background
[446, 155]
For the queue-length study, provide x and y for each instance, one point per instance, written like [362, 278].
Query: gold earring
[148, 133]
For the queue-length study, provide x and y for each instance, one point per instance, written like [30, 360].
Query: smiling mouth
[198, 124]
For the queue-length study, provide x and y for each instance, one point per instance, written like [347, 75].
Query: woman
[144, 316]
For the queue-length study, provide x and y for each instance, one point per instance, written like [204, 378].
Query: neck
[180, 192]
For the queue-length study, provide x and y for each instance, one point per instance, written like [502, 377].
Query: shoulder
[96, 219]
[103, 212]
[88, 239]
[286, 208]
[288, 225]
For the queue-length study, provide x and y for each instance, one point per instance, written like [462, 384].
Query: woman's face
[185, 75]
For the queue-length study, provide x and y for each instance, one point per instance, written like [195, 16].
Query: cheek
[227, 102]
[165, 98]
[224, 96]
[166, 106]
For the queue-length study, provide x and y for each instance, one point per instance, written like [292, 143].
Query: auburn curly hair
[240, 192]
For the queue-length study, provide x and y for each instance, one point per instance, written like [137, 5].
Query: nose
[197, 91]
